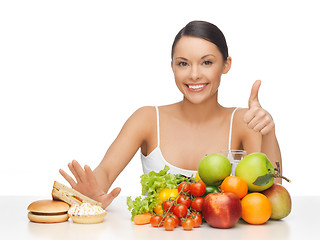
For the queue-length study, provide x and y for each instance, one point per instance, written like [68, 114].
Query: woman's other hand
[256, 117]
[86, 183]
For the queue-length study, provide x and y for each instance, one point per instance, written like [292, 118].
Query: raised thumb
[253, 99]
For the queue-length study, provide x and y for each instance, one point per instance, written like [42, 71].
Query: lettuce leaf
[152, 184]
[140, 205]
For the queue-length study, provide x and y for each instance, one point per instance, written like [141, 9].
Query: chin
[196, 100]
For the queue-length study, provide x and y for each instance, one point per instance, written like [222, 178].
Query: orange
[235, 185]
[256, 208]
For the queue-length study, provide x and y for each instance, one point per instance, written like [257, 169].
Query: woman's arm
[263, 137]
[96, 184]
[132, 135]
[271, 148]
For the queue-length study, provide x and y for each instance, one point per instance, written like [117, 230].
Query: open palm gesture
[87, 184]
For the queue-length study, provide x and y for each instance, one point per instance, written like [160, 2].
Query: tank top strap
[158, 126]
[230, 129]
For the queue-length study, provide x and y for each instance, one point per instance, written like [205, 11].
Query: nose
[195, 73]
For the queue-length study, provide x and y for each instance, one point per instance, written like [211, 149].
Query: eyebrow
[208, 56]
[201, 57]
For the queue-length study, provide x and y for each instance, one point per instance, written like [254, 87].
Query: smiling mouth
[196, 87]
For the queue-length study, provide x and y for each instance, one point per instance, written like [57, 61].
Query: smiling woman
[179, 135]
[198, 69]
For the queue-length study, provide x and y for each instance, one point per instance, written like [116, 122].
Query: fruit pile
[172, 200]
[251, 194]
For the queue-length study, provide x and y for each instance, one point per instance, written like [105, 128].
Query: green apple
[213, 168]
[280, 201]
[253, 166]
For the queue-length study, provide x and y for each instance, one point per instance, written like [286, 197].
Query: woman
[180, 134]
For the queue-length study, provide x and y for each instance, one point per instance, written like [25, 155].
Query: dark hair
[204, 30]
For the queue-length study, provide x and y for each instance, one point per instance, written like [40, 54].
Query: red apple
[221, 210]
[280, 201]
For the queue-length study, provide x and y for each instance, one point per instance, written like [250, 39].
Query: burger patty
[48, 214]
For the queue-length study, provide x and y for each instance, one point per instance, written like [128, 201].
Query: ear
[227, 65]
[172, 66]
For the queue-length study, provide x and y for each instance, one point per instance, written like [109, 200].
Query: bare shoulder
[143, 119]
[144, 112]
[239, 114]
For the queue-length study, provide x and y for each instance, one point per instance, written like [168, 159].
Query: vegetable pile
[169, 200]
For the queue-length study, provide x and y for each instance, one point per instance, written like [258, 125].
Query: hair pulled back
[204, 30]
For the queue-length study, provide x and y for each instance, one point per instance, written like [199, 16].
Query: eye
[182, 64]
[207, 62]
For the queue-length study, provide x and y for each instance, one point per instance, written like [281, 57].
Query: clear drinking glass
[234, 157]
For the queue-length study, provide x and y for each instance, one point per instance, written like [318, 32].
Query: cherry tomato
[168, 205]
[197, 219]
[197, 204]
[185, 186]
[180, 211]
[187, 224]
[185, 200]
[169, 224]
[171, 215]
[198, 189]
[156, 220]
[158, 209]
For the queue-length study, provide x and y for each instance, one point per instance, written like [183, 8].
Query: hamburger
[48, 211]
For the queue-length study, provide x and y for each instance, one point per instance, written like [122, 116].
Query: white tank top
[156, 162]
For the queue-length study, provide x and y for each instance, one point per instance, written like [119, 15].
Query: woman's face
[197, 65]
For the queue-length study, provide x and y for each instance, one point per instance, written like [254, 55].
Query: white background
[72, 72]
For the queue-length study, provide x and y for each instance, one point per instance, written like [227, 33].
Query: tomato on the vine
[185, 200]
[171, 215]
[187, 224]
[180, 211]
[197, 204]
[168, 205]
[198, 189]
[197, 219]
[156, 220]
[158, 209]
[185, 186]
[169, 224]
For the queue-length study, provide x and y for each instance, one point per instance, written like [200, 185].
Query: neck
[201, 112]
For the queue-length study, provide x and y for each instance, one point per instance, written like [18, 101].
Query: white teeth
[196, 86]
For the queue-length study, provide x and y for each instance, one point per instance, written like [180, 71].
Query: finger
[68, 178]
[259, 117]
[74, 172]
[250, 114]
[259, 126]
[267, 129]
[111, 196]
[91, 178]
[79, 170]
[253, 99]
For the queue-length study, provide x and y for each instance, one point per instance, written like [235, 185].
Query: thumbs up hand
[256, 117]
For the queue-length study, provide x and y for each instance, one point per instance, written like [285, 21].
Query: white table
[302, 223]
